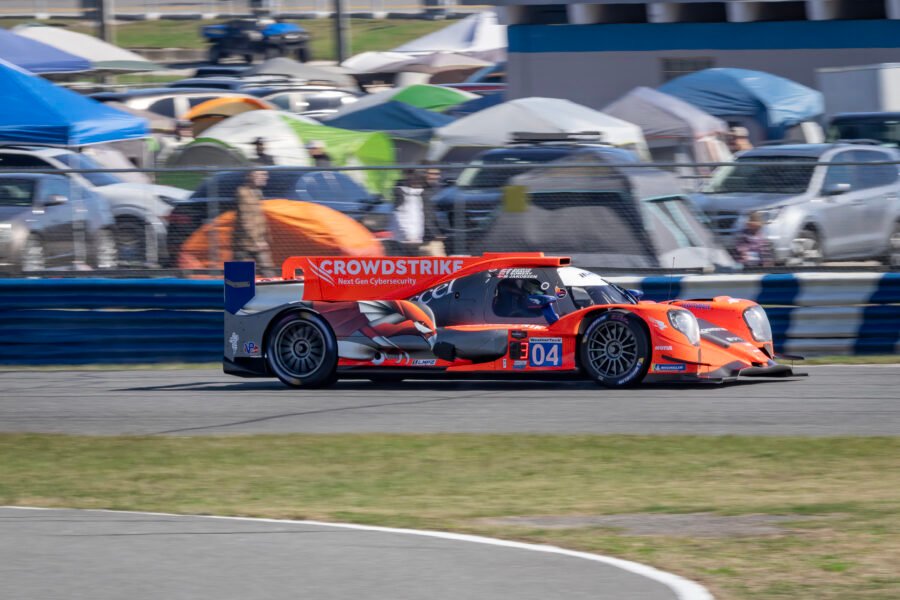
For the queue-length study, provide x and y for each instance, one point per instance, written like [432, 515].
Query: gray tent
[608, 216]
[302, 71]
[675, 130]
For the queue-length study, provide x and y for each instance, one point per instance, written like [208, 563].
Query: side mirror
[836, 189]
[55, 200]
[637, 294]
[544, 303]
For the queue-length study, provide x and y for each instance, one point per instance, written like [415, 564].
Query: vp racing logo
[379, 271]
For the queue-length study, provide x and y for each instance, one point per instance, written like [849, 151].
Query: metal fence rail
[104, 321]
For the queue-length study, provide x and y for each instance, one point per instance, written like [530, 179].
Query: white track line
[684, 589]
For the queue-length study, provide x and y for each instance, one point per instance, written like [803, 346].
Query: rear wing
[396, 277]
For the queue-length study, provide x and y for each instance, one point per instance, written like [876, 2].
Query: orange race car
[514, 314]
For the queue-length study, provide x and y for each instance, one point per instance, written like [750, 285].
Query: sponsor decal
[424, 362]
[516, 274]
[545, 286]
[504, 363]
[669, 368]
[561, 292]
[233, 340]
[711, 329]
[617, 316]
[545, 352]
[734, 340]
[382, 271]
[520, 364]
[251, 348]
[695, 306]
[658, 324]
[435, 293]
[662, 347]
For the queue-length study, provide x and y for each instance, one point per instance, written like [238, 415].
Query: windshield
[884, 130]
[767, 175]
[16, 192]
[481, 174]
[588, 289]
[80, 161]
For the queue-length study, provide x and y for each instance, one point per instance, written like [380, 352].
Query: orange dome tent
[206, 114]
[295, 229]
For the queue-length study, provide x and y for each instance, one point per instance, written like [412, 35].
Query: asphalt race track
[833, 400]
[96, 555]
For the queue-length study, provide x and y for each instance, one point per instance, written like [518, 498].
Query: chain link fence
[786, 214]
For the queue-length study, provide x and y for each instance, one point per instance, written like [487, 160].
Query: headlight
[685, 322]
[770, 214]
[756, 319]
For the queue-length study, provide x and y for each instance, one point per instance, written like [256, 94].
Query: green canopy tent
[429, 97]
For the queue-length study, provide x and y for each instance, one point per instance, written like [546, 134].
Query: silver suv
[815, 208]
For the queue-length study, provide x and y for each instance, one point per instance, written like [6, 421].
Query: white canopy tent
[494, 127]
[102, 55]
[241, 131]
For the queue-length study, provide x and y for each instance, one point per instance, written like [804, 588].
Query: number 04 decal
[545, 352]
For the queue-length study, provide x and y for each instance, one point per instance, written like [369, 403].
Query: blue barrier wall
[110, 321]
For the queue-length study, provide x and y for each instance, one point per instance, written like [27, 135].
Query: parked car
[468, 207]
[332, 189]
[139, 209]
[881, 127]
[249, 38]
[50, 221]
[814, 208]
[285, 93]
[170, 102]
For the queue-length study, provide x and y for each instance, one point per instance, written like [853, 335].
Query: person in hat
[316, 149]
[752, 248]
[739, 140]
[262, 156]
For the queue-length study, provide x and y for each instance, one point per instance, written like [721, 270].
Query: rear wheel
[303, 54]
[105, 254]
[615, 349]
[131, 241]
[302, 351]
[892, 257]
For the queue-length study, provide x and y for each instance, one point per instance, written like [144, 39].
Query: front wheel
[105, 253]
[302, 351]
[33, 257]
[806, 249]
[892, 257]
[615, 349]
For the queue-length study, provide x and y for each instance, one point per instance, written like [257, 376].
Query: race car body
[497, 315]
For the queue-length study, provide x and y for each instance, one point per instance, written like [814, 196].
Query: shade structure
[206, 114]
[477, 104]
[495, 126]
[36, 111]
[429, 97]
[435, 62]
[479, 35]
[774, 102]
[281, 65]
[102, 56]
[286, 135]
[295, 229]
[38, 57]
[395, 118]
[374, 61]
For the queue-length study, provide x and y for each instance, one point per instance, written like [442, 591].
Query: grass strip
[365, 34]
[848, 486]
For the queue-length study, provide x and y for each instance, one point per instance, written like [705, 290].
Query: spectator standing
[753, 249]
[262, 156]
[739, 140]
[316, 149]
[250, 239]
[408, 219]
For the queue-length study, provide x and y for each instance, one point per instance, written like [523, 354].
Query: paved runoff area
[832, 401]
[100, 555]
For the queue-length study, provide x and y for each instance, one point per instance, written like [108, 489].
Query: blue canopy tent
[475, 104]
[398, 119]
[775, 103]
[37, 112]
[38, 57]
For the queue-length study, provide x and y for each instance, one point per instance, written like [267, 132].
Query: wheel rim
[106, 251]
[612, 349]
[300, 348]
[806, 250]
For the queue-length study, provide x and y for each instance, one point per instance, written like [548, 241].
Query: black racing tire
[614, 350]
[301, 351]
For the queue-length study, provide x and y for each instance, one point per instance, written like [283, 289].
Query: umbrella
[102, 55]
[295, 229]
